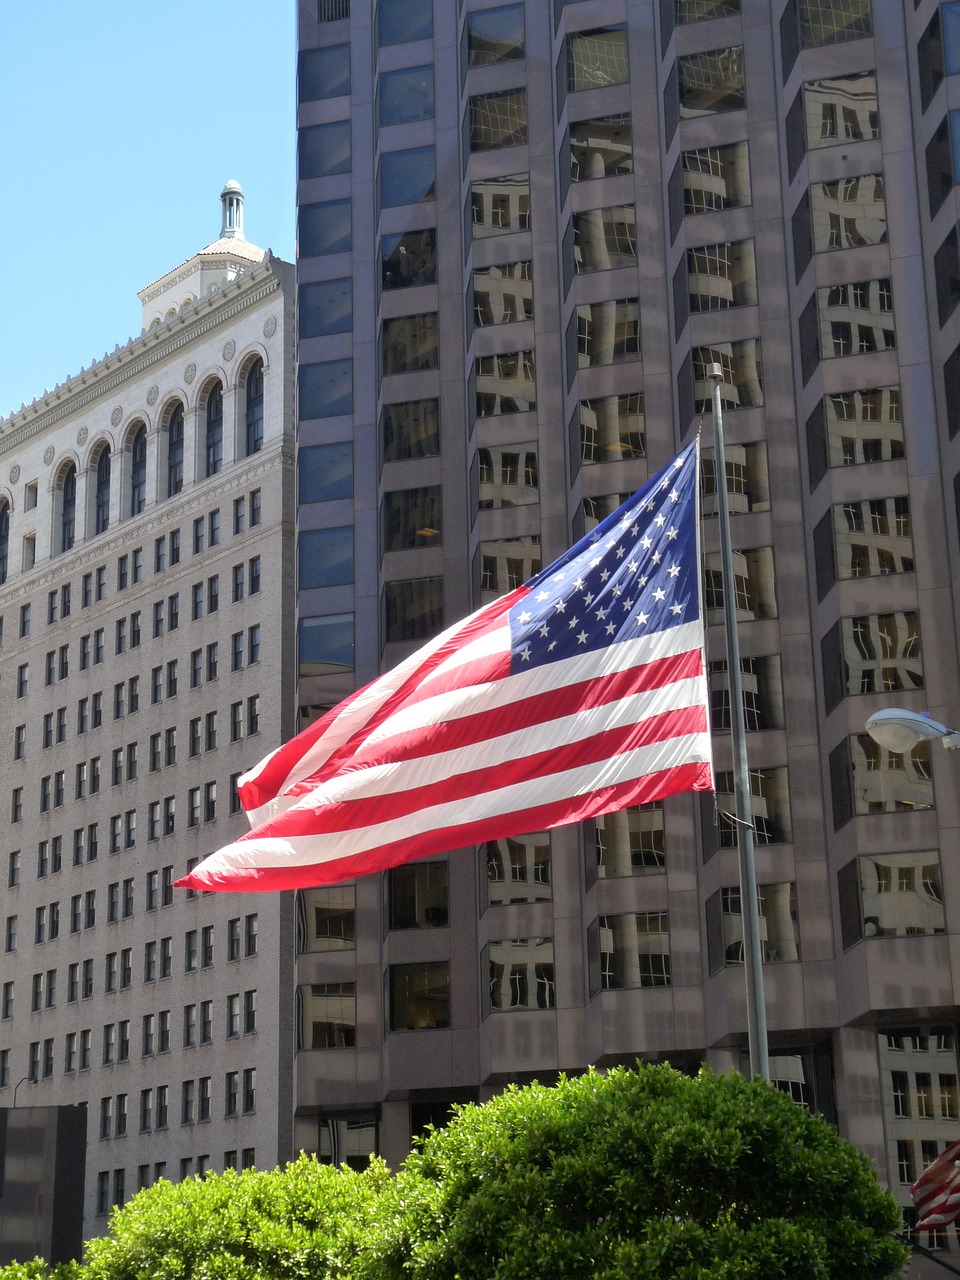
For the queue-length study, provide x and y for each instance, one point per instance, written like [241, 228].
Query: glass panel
[326, 390]
[419, 996]
[325, 471]
[762, 694]
[634, 951]
[406, 95]
[881, 653]
[323, 73]
[407, 177]
[349, 1142]
[596, 58]
[328, 1015]
[848, 213]
[873, 537]
[612, 428]
[901, 895]
[600, 148]
[418, 896]
[831, 21]
[770, 794]
[716, 178]
[608, 332]
[889, 781]
[495, 35]
[323, 150]
[503, 294]
[950, 20]
[326, 645]
[507, 563]
[518, 869]
[604, 238]
[842, 109]
[521, 974]
[509, 476]
[748, 487]
[411, 430]
[631, 842]
[410, 343]
[325, 557]
[711, 82]
[326, 307]
[779, 934]
[505, 383]
[698, 10]
[720, 276]
[864, 426]
[403, 20]
[324, 228]
[413, 610]
[412, 518]
[408, 258]
[754, 585]
[500, 205]
[597, 508]
[329, 918]
[498, 119]
[742, 383]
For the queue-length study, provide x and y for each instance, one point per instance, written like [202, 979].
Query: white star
[582, 638]
[635, 529]
[646, 542]
[660, 521]
[621, 552]
[588, 599]
[610, 629]
[671, 533]
[643, 581]
[617, 590]
[674, 570]
[648, 505]
[543, 595]
[659, 594]
[560, 605]
[664, 484]
[605, 575]
[641, 619]
[628, 605]
[525, 616]
[601, 614]
[544, 631]
[525, 654]
[572, 623]
[656, 557]
[578, 585]
[676, 608]
[551, 646]
[677, 464]
[633, 565]
[595, 561]
[674, 495]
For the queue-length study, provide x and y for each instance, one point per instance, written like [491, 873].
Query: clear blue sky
[120, 120]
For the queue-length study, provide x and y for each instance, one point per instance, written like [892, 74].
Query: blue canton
[636, 573]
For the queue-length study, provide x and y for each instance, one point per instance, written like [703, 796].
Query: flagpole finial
[715, 372]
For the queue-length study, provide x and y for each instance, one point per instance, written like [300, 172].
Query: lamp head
[899, 730]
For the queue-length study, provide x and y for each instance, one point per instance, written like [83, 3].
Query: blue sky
[120, 120]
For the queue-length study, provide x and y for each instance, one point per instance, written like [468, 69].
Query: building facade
[146, 595]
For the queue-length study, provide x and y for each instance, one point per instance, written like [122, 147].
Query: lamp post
[749, 903]
[899, 730]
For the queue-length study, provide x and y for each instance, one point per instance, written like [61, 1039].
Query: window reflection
[325, 471]
[407, 177]
[325, 307]
[612, 428]
[831, 21]
[413, 609]
[634, 951]
[716, 178]
[597, 507]
[326, 645]
[596, 58]
[901, 895]
[608, 332]
[521, 974]
[505, 383]
[881, 652]
[412, 518]
[848, 212]
[864, 426]
[406, 95]
[410, 343]
[742, 383]
[518, 869]
[856, 319]
[779, 933]
[323, 150]
[748, 487]
[324, 228]
[323, 73]
[711, 82]
[754, 585]
[495, 35]
[630, 842]
[503, 294]
[762, 692]
[327, 918]
[507, 563]
[604, 238]
[351, 1142]
[770, 799]
[419, 996]
[889, 781]
[328, 1015]
[720, 276]
[872, 537]
[600, 148]
[417, 896]
[498, 119]
[841, 109]
[500, 205]
[699, 10]
[409, 258]
[509, 476]
[411, 429]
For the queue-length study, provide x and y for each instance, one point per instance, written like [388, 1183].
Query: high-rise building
[146, 623]
[525, 230]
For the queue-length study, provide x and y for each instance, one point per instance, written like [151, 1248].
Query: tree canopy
[632, 1173]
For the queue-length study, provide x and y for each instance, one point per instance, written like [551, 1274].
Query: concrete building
[146, 605]
[525, 230]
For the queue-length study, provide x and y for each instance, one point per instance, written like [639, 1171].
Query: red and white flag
[578, 693]
[936, 1193]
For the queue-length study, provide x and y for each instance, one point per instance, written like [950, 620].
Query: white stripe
[303, 851]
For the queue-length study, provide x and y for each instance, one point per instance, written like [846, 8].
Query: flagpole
[749, 904]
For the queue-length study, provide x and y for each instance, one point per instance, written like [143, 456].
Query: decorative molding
[49, 454]
[167, 282]
[15, 473]
[82, 435]
[229, 350]
[270, 326]
[152, 394]
[117, 416]
[189, 373]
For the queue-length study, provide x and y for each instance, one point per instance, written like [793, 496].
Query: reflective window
[407, 177]
[720, 276]
[863, 426]
[900, 895]
[403, 20]
[324, 228]
[413, 610]
[742, 384]
[406, 95]
[597, 508]
[411, 429]
[596, 58]
[711, 82]
[754, 585]
[327, 918]
[509, 476]
[323, 73]
[505, 383]
[138, 471]
[748, 487]
[629, 842]
[779, 933]
[761, 689]
[608, 332]
[253, 408]
[175, 451]
[600, 148]
[408, 258]
[500, 205]
[503, 294]
[419, 996]
[351, 1142]
[868, 779]
[411, 343]
[102, 493]
[716, 178]
[325, 471]
[213, 435]
[634, 951]
[323, 150]
[412, 518]
[612, 428]
[325, 307]
[506, 563]
[518, 869]
[498, 119]
[326, 557]
[495, 35]
[880, 653]
[831, 21]
[699, 10]
[770, 801]
[604, 238]
[873, 537]
[842, 109]
[4, 539]
[417, 895]
[521, 974]
[326, 390]
[68, 511]
[950, 18]
[848, 213]
[326, 645]
[328, 1012]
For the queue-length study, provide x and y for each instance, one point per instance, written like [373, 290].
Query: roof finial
[231, 223]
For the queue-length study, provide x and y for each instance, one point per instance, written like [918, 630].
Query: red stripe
[655, 786]
[539, 708]
[365, 811]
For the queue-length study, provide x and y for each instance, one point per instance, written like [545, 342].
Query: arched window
[255, 408]
[4, 540]
[214, 435]
[68, 508]
[138, 471]
[175, 452]
[101, 520]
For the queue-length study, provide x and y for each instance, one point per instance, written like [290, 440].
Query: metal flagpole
[749, 905]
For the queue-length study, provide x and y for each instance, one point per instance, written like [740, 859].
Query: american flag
[936, 1193]
[578, 693]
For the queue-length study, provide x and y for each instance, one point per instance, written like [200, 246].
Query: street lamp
[900, 730]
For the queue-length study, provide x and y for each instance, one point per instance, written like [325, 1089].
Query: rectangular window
[597, 58]
[419, 996]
